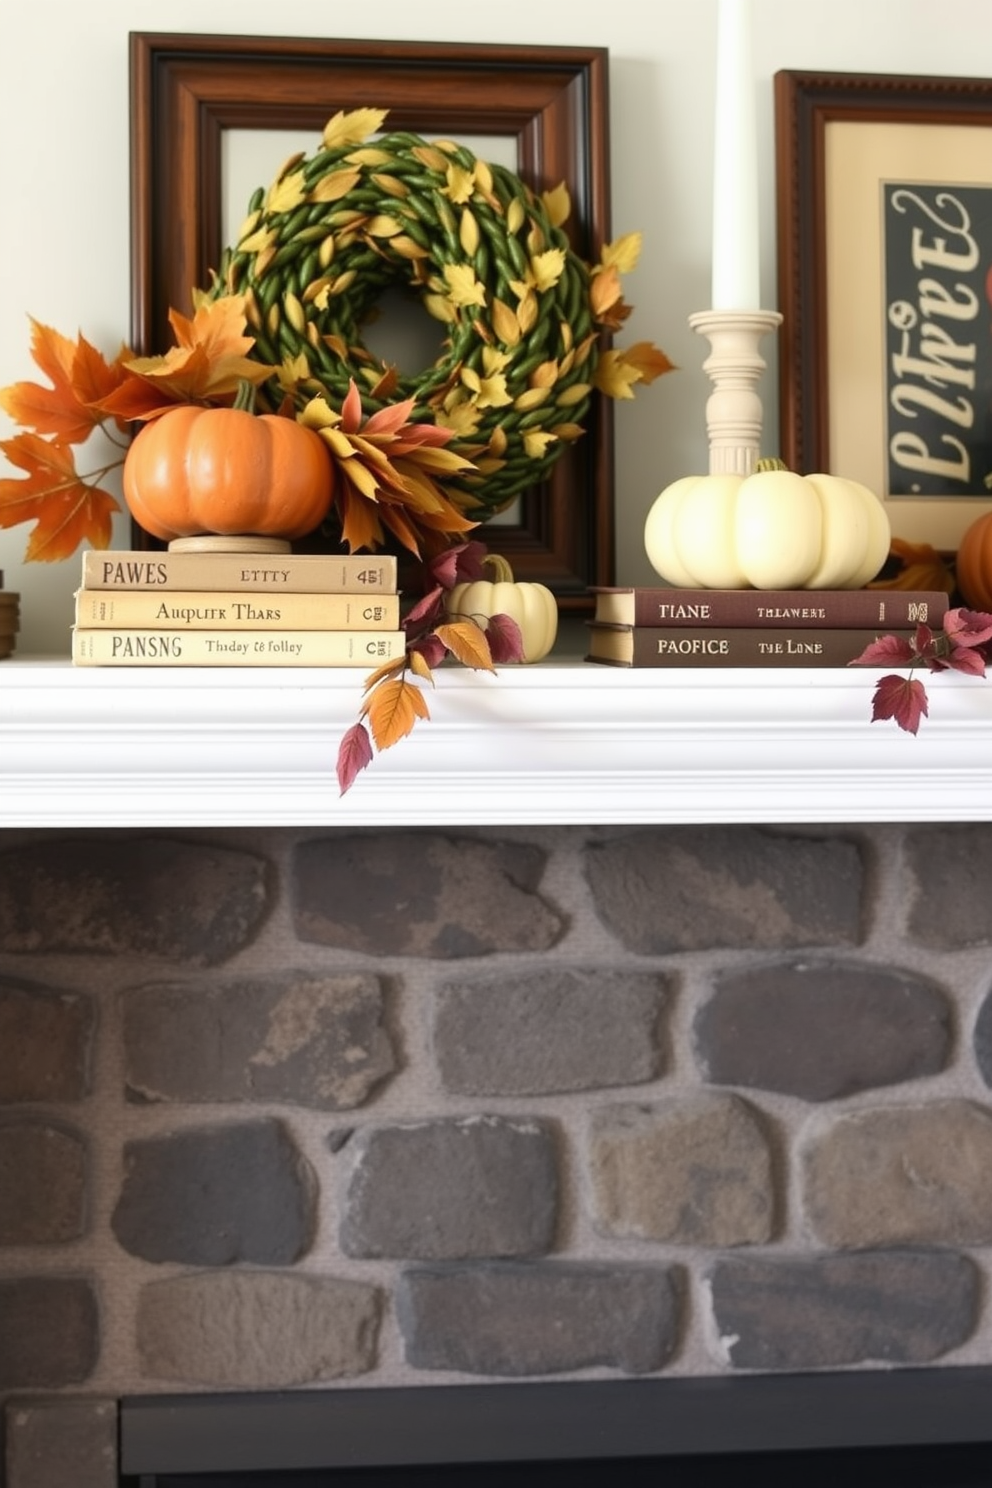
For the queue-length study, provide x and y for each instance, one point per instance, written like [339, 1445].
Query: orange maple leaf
[393, 708]
[81, 377]
[65, 508]
[208, 363]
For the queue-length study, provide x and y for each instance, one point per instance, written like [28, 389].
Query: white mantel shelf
[562, 742]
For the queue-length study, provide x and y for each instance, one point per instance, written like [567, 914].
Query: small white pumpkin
[769, 530]
[532, 606]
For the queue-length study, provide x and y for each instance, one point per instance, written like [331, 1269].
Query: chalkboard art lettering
[938, 374]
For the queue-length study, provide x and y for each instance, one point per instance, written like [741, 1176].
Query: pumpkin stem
[771, 462]
[502, 572]
[245, 397]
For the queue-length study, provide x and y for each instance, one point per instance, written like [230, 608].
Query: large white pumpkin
[769, 530]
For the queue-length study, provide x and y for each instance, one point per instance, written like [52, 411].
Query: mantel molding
[562, 742]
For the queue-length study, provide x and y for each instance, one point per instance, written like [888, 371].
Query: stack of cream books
[236, 602]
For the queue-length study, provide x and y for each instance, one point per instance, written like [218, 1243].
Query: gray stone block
[900, 1175]
[421, 894]
[66, 1443]
[821, 1312]
[43, 1183]
[256, 1331]
[49, 1332]
[212, 1196]
[124, 896]
[693, 1171]
[515, 1320]
[948, 870]
[46, 1043]
[555, 1030]
[481, 1186]
[670, 889]
[822, 1031]
[300, 1038]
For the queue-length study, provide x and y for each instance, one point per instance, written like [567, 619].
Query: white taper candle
[736, 271]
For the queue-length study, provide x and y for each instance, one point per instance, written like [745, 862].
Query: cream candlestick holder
[734, 366]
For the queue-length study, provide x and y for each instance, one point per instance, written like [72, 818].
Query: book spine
[300, 573]
[675, 646]
[833, 609]
[218, 610]
[246, 648]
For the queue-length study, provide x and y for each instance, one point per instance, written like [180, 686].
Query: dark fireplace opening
[906, 1428]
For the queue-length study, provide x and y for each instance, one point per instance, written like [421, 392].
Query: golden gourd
[769, 530]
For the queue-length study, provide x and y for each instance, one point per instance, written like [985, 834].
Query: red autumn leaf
[462, 563]
[903, 699]
[968, 627]
[967, 659]
[887, 650]
[65, 508]
[430, 648]
[505, 641]
[428, 608]
[354, 753]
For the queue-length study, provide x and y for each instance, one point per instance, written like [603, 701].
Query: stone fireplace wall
[285, 1108]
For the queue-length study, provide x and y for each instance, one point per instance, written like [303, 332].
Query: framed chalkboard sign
[885, 277]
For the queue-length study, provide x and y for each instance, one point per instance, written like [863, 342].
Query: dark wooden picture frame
[832, 377]
[186, 90]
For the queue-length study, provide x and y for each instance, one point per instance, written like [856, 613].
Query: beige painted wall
[64, 172]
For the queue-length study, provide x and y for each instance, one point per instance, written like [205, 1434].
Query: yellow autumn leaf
[369, 155]
[419, 666]
[249, 225]
[440, 307]
[407, 248]
[287, 194]
[515, 216]
[557, 204]
[293, 370]
[258, 241]
[466, 641]
[351, 127]
[463, 286]
[468, 233]
[649, 361]
[483, 177]
[622, 254]
[574, 394]
[505, 323]
[460, 184]
[383, 226]
[548, 268]
[335, 185]
[545, 375]
[536, 444]
[532, 398]
[431, 157]
[527, 313]
[389, 185]
[318, 414]
[614, 376]
[493, 392]
[462, 418]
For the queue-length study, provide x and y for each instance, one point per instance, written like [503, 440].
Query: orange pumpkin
[194, 471]
[974, 564]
